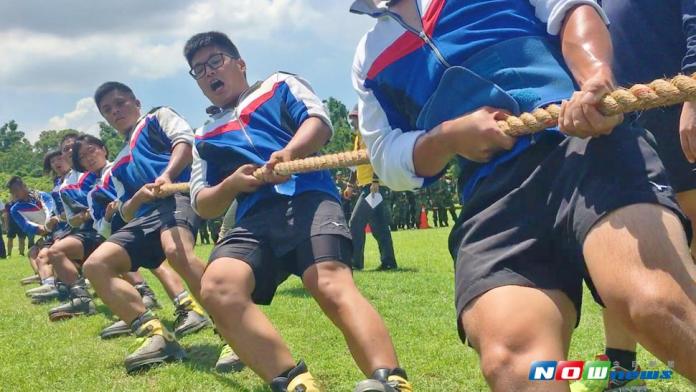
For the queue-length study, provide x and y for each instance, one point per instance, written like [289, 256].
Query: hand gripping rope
[659, 93]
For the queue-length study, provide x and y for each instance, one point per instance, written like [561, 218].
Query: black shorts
[45, 242]
[663, 124]
[287, 235]
[90, 240]
[141, 236]
[526, 223]
[14, 231]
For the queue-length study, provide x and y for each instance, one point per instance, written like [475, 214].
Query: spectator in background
[363, 213]
[13, 230]
[3, 253]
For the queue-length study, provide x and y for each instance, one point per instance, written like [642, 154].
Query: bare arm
[587, 49]
[179, 160]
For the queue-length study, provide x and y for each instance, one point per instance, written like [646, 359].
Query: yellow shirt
[364, 173]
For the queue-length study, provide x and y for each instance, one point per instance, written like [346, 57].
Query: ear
[242, 65]
[137, 103]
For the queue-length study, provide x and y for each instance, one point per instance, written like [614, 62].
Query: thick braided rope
[661, 92]
[330, 161]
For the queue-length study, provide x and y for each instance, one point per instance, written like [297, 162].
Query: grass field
[417, 303]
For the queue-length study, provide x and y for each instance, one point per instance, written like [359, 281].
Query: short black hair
[108, 87]
[15, 180]
[81, 140]
[47, 160]
[69, 135]
[210, 38]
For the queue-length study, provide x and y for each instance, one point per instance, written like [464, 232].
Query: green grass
[416, 302]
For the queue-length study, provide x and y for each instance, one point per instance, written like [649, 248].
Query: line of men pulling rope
[545, 207]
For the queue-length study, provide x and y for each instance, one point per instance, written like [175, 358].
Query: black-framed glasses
[214, 62]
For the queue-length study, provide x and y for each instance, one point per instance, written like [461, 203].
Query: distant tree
[111, 138]
[342, 139]
[9, 135]
[49, 140]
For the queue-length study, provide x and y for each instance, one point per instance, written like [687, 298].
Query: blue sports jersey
[73, 194]
[62, 228]
[506, 46]
[147, 153]
[34, 212]
[267, 117]
[103, 193]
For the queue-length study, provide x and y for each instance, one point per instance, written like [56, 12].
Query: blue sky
[54, 54]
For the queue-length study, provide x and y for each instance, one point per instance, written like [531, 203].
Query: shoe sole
[235, 367]
[372, 386]
[59, 316]
[42, 300]
[115, 334]
[193, 329]
[148, 363]
[28, 282]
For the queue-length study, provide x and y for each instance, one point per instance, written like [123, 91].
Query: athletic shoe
[384, 380]
[119, 328]
[228, 361]
[60, 293]
[190, 318]
[298, 380]
[386, 267]
[80, 303]
[156, 345]
[43, 289]
[610, 385]
[148, 295]
[30, 280]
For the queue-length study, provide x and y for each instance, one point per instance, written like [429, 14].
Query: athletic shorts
[663, 124]
[13, 231]
[141, 236]
[526, 222]
[286, 235]
[90, 240]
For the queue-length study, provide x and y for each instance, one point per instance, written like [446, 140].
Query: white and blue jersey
[73, 194]
[62, 228]
[147, 153]
[267, 117]
[34, 212]
[500, 53]
[103, 193]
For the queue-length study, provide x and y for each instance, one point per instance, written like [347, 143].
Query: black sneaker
[384, 380]
[386, 267]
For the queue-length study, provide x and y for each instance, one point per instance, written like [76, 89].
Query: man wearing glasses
[284, 224]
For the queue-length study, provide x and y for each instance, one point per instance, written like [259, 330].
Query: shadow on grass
[391, 271]
[104, 310]
[202, 358]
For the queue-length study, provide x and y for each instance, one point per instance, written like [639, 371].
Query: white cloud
[53, 52]
[84, 118]
[56, 58]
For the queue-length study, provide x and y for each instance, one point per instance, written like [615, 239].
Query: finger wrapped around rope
[330, 161]
[659, 93]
